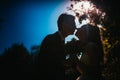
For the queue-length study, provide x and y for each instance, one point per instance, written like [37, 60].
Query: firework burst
[86, 11]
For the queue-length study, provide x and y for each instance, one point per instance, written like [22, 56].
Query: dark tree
[16, 61]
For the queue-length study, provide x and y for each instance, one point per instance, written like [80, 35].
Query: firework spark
[86, 12]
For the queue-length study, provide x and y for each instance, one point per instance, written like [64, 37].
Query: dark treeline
[17, 61]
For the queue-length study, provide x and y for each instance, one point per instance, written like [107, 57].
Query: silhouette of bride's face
[82, 33]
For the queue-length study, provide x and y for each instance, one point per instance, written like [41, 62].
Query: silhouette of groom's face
[68, 24]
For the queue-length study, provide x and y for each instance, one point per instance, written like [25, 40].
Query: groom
[52, 52]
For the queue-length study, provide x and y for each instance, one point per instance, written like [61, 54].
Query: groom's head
[66, 24]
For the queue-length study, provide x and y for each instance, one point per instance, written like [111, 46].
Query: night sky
[29, 21]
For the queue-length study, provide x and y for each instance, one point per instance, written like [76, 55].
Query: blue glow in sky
[28, 22]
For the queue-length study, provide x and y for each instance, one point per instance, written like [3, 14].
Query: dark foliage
[16, 61]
